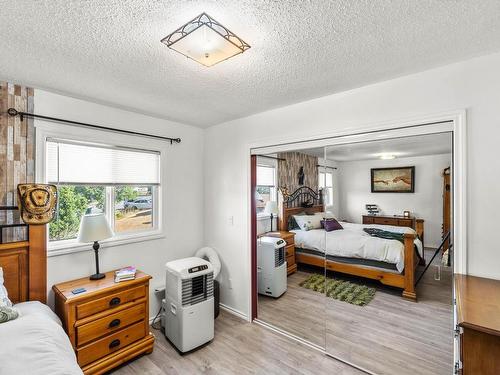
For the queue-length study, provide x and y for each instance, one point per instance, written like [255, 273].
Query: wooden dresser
[478, 320]
[289, 238]
[398, 221]
[109, 323]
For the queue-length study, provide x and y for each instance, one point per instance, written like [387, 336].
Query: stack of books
[372, 209]
[124, 274]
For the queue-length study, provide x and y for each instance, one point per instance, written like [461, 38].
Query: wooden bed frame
[291, 205]
[24, 266]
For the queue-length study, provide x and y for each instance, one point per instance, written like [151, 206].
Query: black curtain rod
[325, 166]
[13, 112]
[271, 157]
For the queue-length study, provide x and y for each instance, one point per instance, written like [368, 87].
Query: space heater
[189, 303]
[271, 266]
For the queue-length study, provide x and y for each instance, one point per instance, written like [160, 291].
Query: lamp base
[97, 276]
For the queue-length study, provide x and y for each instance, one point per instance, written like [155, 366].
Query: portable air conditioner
[271, 266]
[189, 303]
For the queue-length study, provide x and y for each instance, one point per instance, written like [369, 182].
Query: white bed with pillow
[352, 241]
[391, 259]
[34, 342]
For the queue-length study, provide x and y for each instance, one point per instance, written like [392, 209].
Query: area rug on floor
[346, 291]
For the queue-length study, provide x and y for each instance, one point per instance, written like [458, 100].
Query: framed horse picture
[393, 180]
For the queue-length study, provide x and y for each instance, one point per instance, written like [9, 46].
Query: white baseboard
[235, 312]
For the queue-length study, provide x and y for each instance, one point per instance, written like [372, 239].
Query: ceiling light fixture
[205, 40]
[387, 156]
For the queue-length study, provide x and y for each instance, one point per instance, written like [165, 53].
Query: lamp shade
[94, 228]
[271, 208]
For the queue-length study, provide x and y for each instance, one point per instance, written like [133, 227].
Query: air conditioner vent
[279, 256]
[197, 289]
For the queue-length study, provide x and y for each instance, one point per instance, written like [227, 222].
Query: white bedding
[35, 343]
[353, 242]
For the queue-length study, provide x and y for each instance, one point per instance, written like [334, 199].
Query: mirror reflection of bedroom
[354, 251]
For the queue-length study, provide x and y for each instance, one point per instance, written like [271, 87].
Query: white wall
[426, 203]
[182, 195]
[473, 85]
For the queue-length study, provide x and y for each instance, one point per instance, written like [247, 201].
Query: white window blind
[325, 179]
[265, 175]
[326, 183]
[71, 162]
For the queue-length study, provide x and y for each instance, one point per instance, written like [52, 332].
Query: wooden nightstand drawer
[405, 223]
[385, 221]
[367, 220]
[109, 344]
[290, 251]
[290, 241]
[109, 324]
[291, 269]
[111, 301]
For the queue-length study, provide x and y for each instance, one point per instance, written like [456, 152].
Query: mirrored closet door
[388, 291]
[290, 277]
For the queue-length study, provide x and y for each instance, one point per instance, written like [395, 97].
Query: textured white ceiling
[110, 50]
[404, 147]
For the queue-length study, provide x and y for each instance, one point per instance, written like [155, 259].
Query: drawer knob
[114, 343]
[114, 323]
[114, 301]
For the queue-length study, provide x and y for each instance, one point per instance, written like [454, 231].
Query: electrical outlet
[231, 220]
[230, 283]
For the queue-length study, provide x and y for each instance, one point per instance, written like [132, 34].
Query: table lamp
[271, 209]
[94, 228]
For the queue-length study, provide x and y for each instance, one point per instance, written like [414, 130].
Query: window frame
[273, 189]
[321, 170]
[45, 129]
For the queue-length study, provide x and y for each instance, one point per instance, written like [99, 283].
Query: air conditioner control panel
[198, 268]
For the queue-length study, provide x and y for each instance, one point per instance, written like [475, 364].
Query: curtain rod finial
[12, 112]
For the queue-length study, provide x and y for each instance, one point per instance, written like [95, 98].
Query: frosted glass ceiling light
[205, 40]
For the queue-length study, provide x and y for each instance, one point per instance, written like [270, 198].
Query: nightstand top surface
[96, 286]
[279, 233]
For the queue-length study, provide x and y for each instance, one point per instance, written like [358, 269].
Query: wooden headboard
[24, 266]
[304, 199]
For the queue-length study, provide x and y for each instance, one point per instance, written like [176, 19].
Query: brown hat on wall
[37, 202]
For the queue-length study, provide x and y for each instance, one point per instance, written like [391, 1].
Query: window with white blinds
[73, 163]
[326, 183]
[266, 186]
[120, 182]
[266, 175]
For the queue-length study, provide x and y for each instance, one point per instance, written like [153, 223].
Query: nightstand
[289, 238]
[108, 324]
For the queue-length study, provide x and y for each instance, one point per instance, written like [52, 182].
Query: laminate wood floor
[388, 336]
[239, 348]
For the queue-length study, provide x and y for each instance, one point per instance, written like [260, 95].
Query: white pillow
[308, 222]
[4, 297]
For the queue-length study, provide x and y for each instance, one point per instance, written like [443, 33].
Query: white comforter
[353, 242]
[35, 343]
